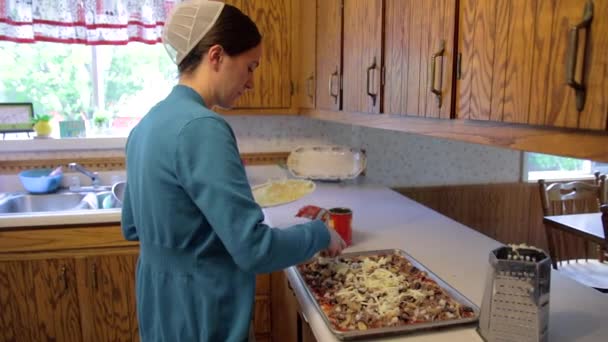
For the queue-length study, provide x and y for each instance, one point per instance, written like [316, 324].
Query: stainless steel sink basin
[27, 203]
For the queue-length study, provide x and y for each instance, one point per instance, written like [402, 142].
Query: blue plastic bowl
[38, 181]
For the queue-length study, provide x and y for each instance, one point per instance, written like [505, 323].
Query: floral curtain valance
[91, 22]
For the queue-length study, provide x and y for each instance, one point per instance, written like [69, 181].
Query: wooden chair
[565, 249]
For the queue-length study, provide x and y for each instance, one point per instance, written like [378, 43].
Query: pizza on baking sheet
[281, 191]
[378, 291]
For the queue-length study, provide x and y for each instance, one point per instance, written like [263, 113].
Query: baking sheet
[402, 329]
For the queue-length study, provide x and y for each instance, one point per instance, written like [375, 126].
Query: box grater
[515, 304]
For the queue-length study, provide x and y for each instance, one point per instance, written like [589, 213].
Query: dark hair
[233, 30]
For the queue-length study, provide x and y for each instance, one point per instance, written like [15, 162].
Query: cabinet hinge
[459, 66]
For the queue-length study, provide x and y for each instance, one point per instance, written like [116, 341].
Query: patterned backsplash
[395, 159]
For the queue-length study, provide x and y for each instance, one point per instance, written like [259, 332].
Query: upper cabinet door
[272, 79]
[362, 88]
[329, 54]
[419, 57]
[307, 39]
[576, 70]
[536, 62]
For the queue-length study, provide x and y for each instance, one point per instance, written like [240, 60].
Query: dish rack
[515, 304]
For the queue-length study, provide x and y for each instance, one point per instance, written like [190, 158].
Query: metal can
[340, 219]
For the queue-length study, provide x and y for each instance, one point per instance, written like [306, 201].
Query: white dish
[326, 162]
[280, 192]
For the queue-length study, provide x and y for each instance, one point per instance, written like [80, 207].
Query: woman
[188, 201]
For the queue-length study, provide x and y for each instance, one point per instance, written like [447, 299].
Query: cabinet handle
[94, 276]
[373, 95]
[437, 91]
[63, 277]
[331, 83]
[309, 86]
[571, 59]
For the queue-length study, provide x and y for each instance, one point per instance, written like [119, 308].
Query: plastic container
[38, 181]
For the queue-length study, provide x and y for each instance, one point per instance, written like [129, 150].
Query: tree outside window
[111, 86]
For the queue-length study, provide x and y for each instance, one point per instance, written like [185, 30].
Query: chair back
[575, 197]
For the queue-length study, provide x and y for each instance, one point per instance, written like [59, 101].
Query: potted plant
[101, 120]
[42, 126]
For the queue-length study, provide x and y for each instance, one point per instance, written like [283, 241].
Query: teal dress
[202, 240]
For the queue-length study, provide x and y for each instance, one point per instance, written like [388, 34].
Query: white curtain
[91, 22]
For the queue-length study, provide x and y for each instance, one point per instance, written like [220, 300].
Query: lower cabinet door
[107, 297]
[39, 300]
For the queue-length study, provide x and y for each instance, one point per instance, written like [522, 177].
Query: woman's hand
[336, 244]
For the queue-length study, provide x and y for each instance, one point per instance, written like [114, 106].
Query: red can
[341, 220]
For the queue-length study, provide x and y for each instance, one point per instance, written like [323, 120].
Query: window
[543, 166]
[109, 87]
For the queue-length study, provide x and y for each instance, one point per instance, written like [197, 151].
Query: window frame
[564, 175]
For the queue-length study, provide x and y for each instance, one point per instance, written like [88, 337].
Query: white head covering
[187, 25]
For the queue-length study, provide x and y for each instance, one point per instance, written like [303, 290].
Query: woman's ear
[216, 55]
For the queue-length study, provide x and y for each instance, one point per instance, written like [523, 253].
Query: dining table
[588, 226]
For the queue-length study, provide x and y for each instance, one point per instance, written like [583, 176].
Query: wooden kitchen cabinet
[107, 297]
[284, 309]
[328, 54]
[307, 49]
[362, 89]
[419, 57]
[514, 62]
[272, 79]
[78, 284]
[39, 301]
[18, 317]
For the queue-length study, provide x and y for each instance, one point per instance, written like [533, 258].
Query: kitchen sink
[27, 203]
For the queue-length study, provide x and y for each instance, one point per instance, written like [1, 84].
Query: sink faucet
[93, 175]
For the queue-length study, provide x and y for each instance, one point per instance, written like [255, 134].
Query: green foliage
[131, 71]
[544, 162]
[57, 78]
[54, 77]
[42, 117]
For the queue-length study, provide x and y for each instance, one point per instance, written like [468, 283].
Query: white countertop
[383, 219]
[60, 218]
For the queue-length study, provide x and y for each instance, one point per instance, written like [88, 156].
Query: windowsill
[558, 176]
[71, 144]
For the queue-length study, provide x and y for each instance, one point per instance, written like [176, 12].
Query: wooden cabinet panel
[414, 32]
[595, 112]
[514, 63]
[329, 54]
[363, 56]
[107, 297]
[561, 107]
[262, 284]
[261, 316]
[18, 314]
[284, 309]
[56, 297]
[476, 45]
[272, 79]
[307, 50]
